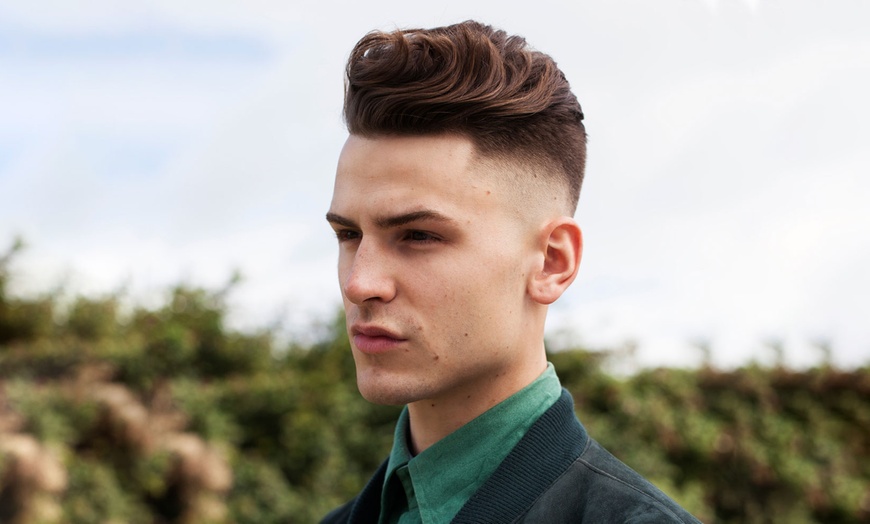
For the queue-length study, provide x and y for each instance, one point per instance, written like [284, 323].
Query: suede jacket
[556, 474]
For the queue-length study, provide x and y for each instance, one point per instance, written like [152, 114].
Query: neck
[433, 419]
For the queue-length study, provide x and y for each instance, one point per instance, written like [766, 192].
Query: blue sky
[157, 142]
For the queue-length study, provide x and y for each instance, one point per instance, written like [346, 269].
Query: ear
[562, 246]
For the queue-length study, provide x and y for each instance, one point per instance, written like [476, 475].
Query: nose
[368, 276]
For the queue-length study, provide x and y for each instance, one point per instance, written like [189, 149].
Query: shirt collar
[445, 475]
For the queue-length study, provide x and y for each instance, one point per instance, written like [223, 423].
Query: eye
[420, 237]
[346, 235]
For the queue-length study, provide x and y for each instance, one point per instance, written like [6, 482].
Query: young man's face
[433, 268]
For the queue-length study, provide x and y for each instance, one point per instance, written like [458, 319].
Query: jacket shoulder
[598, 487]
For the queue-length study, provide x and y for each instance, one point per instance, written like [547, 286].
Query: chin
[382, 398]
[386, 390]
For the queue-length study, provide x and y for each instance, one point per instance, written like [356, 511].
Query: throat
[433, 419]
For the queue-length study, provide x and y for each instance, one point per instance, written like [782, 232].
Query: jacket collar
[520, 479]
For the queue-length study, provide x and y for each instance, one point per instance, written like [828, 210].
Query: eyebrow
[339, 220]
[388, 222]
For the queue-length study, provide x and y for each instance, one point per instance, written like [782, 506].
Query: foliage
[166, 415]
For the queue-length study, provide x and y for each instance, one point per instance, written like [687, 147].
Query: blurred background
[169, 336]
[151, 142]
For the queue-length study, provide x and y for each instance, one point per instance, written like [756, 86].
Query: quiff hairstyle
[511, 101]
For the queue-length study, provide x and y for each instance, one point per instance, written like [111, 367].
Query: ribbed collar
[440, 480]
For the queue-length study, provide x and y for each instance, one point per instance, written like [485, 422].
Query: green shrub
[261, 495]
[751, 445]
[95, 496]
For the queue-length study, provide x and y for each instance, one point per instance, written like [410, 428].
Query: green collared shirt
[432, 487]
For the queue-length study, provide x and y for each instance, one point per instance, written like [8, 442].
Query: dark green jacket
[556, 474]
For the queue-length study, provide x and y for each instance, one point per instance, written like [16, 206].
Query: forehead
[401, 173]
[438, 157]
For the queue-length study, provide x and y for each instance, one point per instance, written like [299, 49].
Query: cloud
[142, 144]
[714, 5]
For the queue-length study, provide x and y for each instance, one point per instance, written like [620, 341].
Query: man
[453, 206]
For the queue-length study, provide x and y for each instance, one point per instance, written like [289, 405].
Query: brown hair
[471, 79]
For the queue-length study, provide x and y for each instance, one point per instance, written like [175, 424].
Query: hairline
[523, 170]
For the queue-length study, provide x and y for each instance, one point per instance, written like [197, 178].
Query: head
[452, 205]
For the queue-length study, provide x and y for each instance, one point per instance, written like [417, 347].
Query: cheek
[499, 297]
[477, 309]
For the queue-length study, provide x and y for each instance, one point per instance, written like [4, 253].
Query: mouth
[374, 340]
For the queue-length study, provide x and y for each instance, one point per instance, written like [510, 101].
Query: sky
[146, 144]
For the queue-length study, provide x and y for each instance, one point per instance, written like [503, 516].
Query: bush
[145, 408]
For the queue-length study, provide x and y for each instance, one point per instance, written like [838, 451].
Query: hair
[511, 101]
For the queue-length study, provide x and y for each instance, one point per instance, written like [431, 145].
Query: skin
[445, 284]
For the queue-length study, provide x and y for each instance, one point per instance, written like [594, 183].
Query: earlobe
[562, 246]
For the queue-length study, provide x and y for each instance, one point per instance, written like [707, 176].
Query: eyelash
[347, 235]
[430, 238]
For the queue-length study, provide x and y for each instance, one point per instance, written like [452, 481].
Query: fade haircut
[470, 79]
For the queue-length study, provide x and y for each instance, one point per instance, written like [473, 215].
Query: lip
[374, 340]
